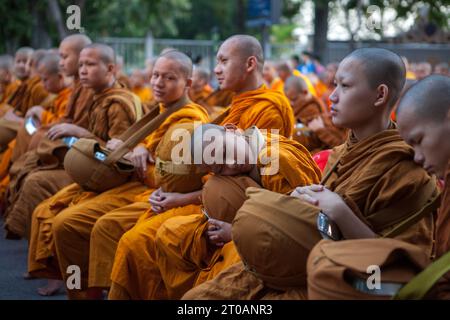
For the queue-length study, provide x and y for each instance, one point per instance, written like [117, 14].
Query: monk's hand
[139, 159]
[113, 144]
[66, 130]
[35, 112]
[11, 116]
[162, 201]
[219, 232]
[316, 124]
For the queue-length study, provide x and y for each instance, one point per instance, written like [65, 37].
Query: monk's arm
[349, 224]
[119, 120]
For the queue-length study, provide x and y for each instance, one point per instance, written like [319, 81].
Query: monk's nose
[333, 96]
[418, 158]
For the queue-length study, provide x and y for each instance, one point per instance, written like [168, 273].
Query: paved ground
[13, 262]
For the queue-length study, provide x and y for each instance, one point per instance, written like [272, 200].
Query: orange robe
[277, 84]
[145, 94]
[31, 92]
[134, 266]
[82, 210]
[110, 114]
[308, 82]
[325, 138]
[379, 180]
[200, 97]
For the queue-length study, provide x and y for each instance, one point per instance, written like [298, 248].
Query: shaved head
[107, 54]
[77, 42]
[26, 51]
[6, 62]
[50, 63]
[382, 66]
[184, 62]
[429, 98]
[37, 56]
[295, 83]
[247, 46]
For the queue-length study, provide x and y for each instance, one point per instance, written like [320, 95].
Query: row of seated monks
[242, 220]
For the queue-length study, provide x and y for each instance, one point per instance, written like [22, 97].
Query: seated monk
[190, 249]
[200, 88]
[138, 87]
[56, 83]
[239, 69]
[76, 209]
[32, 92]
[271, 79]
[8, 82]
[284, 72]
[326, 83]
[423, 120]
[373, 188]
[314, 128]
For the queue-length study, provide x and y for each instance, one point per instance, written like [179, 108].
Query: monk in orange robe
[113, 110]
[284, 72]
[182, 243]
[314, 128]
[200, 88]
[76, 113]
[253, 104]
[424, 114]
[138, 87]
[81, 209]
[370, 182]
[8, 83]
[271, 79]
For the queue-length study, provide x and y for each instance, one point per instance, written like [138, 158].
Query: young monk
[56, 83]
[200, 88]
[138, 87]
[314, 128]
[424, 123]
[40, 178]
[81, 209]
[239, 69]
[188, 245]
[373, 188]
[284, 72]
[8, 83]
[31, 92]
[271, 79]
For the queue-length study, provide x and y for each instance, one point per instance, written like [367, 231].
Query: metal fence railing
[136, 50]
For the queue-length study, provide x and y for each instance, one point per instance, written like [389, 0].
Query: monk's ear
[382, 95]
[252, 64]
[111, 68]
[188, 82]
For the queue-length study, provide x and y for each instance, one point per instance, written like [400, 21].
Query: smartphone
[30, 125]
[100, 156]
[69, 141]
[205, 213]
[328, 228]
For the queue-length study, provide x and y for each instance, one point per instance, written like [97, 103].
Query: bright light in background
[337, 23]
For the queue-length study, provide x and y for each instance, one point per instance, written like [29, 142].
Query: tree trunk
[240, 16]
[39, 35]
[321, 9]
[55, 13]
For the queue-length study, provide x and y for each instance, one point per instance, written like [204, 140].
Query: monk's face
[268, 73]
[353, 98]
[198, 82]
[429, 138]
[235, 156]
[137, 79]
[53, 83]
[5, 77]
[283, 74]
[230, 69]
[94, 72]
[423, 70]
[68, 61]
[295, 96]
[22, 66]
[168, 82]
